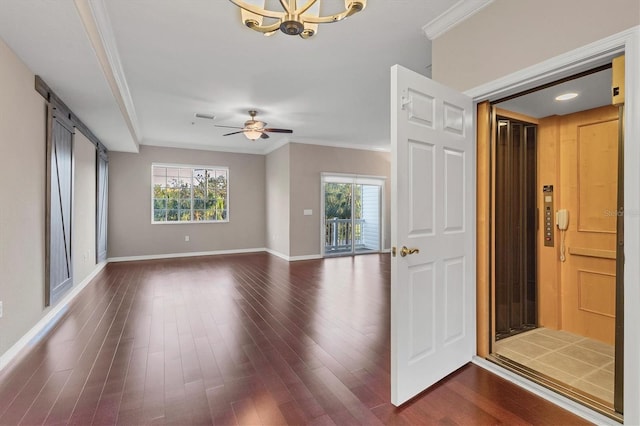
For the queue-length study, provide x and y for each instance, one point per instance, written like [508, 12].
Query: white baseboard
[186, 254]
[49, 319]
[292, 258]
[307, 257]
[547, 394]
[277, 254]
[218, 252]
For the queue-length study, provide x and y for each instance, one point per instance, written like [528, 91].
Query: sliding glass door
[352, 214]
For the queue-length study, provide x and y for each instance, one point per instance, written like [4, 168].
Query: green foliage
[338, 205]
[337, 201]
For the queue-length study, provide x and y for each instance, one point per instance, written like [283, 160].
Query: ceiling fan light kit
[293, 19]
[255, 129]
[253, 134]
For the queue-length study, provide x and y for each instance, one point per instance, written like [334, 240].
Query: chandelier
[292, 19]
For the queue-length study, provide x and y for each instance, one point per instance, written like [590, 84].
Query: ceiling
[137, 71]
[593, 90]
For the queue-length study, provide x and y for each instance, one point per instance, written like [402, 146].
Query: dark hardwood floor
[243, 339]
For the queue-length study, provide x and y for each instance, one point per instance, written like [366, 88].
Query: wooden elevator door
[588, 187]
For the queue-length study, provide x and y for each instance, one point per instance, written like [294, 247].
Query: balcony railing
[338, 236]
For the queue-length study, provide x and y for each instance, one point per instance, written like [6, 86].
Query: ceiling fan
[254, 129]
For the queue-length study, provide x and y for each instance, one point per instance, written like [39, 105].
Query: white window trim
[190, 166]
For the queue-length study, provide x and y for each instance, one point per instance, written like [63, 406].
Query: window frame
[193, 167]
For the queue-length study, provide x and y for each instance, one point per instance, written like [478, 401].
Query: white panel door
[433, 211]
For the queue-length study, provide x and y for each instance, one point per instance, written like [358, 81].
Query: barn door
[102, 179]
[59, 271]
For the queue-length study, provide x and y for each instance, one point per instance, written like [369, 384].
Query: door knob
[405, 251]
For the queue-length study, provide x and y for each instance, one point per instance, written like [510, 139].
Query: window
[188, 194]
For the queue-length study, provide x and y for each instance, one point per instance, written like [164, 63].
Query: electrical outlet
[0, 309]
[186, 238]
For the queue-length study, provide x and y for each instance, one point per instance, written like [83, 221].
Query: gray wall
[22, 159]
[130, 230]
[307, 164]
[508, 35]
[278, 200]
[84, 208]
[22, 212]
[267, 197]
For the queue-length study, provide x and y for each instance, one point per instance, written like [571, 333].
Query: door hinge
[404, 101]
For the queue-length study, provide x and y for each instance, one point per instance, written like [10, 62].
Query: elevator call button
[548, 217]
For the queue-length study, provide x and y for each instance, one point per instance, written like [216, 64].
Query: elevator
[555, 215]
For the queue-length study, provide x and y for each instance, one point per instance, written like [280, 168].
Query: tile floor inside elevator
[577, 361]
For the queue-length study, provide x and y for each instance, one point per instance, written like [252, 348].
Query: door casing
[573, 62]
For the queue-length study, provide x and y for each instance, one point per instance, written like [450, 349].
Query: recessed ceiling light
[566, 96]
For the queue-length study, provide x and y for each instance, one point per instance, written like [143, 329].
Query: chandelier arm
[286, 7]
[257, 10]
[263, 28]
[306, 7]
[326, 19]
[355, 8]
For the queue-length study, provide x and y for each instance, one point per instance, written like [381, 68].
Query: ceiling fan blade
[278, 130]
[229, 127]
[234, 133]
[264, 136]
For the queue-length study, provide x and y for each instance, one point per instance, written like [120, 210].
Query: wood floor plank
[238, 340]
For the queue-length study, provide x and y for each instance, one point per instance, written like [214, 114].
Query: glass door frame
[352, 179]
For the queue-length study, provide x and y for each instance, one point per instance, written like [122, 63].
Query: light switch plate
[308, 212]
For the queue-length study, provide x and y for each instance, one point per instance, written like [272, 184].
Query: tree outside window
[189, 194]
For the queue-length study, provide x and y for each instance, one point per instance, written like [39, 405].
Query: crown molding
[95, 19]
[344, 145]
[239, 149]
[457, 13]
[259, 149]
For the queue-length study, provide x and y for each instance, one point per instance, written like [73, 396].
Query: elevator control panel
[547, 192]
